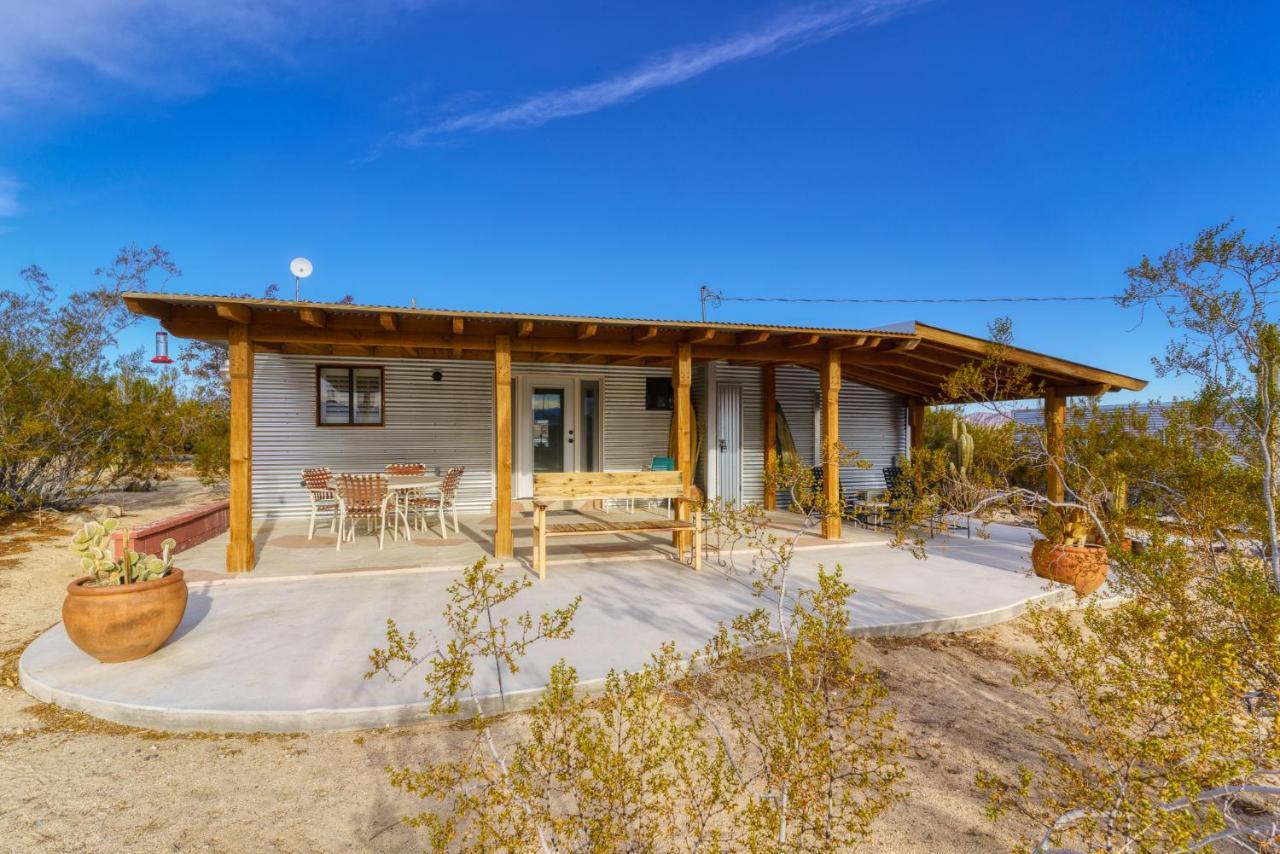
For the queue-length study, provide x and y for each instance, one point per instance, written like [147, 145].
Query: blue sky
[611, 158]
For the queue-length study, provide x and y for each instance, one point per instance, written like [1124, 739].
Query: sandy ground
[72, 783]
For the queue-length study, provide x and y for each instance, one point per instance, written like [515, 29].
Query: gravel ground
[73, 783]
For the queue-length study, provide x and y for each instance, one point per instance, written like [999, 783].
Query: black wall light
[437, 376]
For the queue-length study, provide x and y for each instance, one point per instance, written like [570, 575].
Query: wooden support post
[1055, 422]
[915, 423]
[769, 407]
[240, 556]
[831, 379]
[682, 383]
[502, 540]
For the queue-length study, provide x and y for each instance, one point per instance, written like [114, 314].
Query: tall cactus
[961, 449]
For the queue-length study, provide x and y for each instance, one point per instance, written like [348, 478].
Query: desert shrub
[77, 415]
[771, 737]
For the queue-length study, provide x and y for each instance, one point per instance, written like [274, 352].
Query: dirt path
[76, 784]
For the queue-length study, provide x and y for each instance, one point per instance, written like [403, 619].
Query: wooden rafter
[315, 317]
[802, 339]
[851, 344]
[148, 308]
[911, 362]
[234, 313]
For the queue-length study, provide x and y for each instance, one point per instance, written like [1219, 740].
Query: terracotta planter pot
[124, 621]
[1083, 567]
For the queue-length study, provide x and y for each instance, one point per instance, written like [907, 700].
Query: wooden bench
[597, 485]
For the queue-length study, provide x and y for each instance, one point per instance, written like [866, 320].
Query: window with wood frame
[349, 396]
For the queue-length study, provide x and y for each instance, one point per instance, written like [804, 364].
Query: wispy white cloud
[59, 54]
[9, 187]
[787, 31]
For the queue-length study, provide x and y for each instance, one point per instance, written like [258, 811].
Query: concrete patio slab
[289, 654]
[283, 549]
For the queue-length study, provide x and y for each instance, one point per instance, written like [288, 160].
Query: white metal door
[546, 427]
[729, 442]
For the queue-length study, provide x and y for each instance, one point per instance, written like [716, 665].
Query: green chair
[663, 464]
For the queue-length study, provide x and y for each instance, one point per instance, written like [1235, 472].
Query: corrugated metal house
[506, 395]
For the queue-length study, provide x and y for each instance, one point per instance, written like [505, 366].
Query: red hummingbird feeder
[162, 350]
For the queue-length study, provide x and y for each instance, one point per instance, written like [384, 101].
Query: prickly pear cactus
[961, 449]
[93, 544]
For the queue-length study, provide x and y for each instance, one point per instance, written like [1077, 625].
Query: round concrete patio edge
[404, 714]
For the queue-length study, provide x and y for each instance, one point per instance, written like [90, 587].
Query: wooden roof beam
[700, 336]
[1038, 361]
[389, 321]
[889, 382]
[458, 325]
[892, 384]
[1084, 390]
[644, 333]
[148, 308]
[524, 328]
[315, 317]
[751, 339]
[234, 312]
[587, 330]
[918, 354]
[352, 350]
[850, 344]
[802, 339]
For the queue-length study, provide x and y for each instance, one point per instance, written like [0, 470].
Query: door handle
[724, 446]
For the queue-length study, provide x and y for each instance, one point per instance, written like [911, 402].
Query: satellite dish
[301, 268]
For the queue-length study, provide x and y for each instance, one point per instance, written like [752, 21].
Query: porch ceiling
[913, 361]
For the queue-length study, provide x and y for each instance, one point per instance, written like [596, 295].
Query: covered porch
[284, 551]
[465, 387]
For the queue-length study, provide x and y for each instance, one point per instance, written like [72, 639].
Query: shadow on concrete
[262, 534]
[199, 603]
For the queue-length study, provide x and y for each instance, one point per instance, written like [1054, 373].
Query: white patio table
[403, 486]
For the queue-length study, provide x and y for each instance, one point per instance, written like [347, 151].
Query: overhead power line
[715, 298]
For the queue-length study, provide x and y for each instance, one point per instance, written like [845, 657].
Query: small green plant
[93, 544]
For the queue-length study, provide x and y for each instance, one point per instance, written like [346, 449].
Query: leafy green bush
[76, 414]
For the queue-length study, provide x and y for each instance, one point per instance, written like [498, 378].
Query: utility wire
[715, 298]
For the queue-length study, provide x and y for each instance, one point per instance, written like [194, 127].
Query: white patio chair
[444, 499]
[362, 496]
[319, 484]
[403, 498]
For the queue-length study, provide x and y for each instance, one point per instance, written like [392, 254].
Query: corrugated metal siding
[633, 436]
[441, 424]
[872, 422]
[451, 423]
